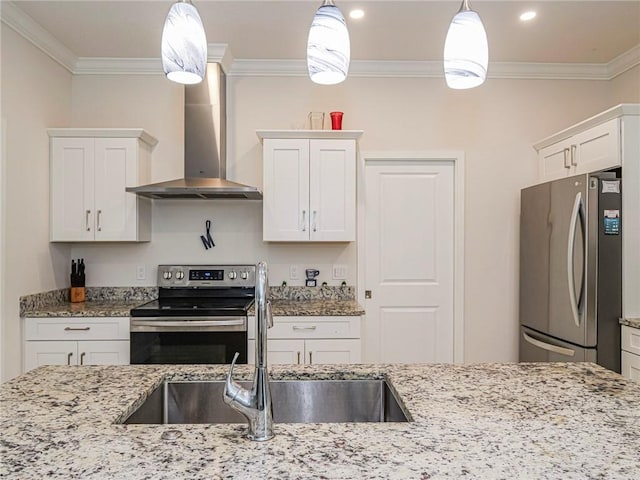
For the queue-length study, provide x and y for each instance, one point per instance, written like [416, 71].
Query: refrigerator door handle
[577, 211]
[547, 346]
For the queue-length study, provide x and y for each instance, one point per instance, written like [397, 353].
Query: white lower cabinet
[631, 353]
[76, 341]
[310, 340]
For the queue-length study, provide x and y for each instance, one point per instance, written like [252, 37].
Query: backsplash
[312, 293]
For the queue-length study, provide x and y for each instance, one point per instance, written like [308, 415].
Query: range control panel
[206, 275]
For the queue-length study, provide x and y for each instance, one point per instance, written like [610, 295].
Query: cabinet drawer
[315, 327]
[88, 328]
[631, 339]
[310, 327]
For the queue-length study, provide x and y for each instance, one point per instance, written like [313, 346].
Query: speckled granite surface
[118, 301]
[631, 322]
[290, 308]
[492, 421]
[100, 302]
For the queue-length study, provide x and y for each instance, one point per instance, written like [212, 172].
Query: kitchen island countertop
[483, 421]
[630, 322]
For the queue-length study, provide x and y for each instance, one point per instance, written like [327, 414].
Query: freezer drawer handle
[547, 346]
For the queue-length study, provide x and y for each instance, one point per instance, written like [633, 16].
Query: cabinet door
[71, 189]
[37, 354]
[555, 161]
[332, 351]
[285, 205]
[103, 352]
[597, 148]
[332, 190]
[278, 352]
[115, 169]
[631, 366]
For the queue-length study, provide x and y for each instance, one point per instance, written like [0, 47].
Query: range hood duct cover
[205, 132]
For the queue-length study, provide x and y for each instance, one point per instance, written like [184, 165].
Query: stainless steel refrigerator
[571, 270]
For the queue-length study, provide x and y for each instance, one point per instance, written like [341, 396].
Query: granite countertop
[630, 322]
[289, 308]
[118, 301]
[486, 421]
[113, 308]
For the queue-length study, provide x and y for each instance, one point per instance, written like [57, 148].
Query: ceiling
[563, 32]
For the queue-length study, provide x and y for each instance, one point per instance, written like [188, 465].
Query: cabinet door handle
[310, 358]
[315, 217]
[566, 153]
[69, 355]
[77, 329]
[99, 215]
[86, 219]
[304, 220]
[82, 358]
[574, 159]
[296, 327]
[298, 358]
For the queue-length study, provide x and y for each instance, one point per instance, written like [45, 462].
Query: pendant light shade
[466, 51]
[184, 44]
[328, 47]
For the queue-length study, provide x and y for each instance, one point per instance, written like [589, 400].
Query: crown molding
[624, 62]
[24, 25]
[14, 17]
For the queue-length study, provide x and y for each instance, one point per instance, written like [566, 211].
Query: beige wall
[495, 125]
[37, 95]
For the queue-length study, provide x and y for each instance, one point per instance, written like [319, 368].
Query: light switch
[294, 272]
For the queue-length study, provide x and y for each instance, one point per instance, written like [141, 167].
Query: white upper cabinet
[593, 145]
[309, 186]
[90, 169]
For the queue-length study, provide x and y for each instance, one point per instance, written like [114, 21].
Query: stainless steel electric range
[200, 316]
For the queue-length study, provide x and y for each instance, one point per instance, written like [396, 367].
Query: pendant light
[184, 44]
[328, 47]
[466, 52]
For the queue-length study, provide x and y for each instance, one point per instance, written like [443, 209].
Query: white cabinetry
[89, 170]
[309, 185]
[631, 353]
[76, 341]
[596, 148]
[310, 340]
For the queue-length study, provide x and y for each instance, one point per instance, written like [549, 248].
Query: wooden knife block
[77, 294]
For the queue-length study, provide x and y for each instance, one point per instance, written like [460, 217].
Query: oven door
[193, 340]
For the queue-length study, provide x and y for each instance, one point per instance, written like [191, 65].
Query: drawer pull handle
[69, 355]
[296, 327]
[82, 358]
[310, 358]
[77, 329]
[298, 358]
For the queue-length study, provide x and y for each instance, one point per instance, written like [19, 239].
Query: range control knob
[232, 275]
[244, 275]
[166, 275]
[179, 274]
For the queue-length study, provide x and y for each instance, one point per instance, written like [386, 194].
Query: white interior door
[409, 261]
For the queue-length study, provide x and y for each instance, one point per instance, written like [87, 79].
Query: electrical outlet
[339, 272]
[294, 272]
[141, 272]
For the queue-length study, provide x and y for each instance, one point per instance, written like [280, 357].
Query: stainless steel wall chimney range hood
[205, 132]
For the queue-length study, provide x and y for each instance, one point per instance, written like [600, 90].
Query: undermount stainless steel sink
[294, 401]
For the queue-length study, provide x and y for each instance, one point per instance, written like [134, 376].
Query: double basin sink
[293, 401]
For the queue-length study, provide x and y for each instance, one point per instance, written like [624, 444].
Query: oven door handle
[140, 324]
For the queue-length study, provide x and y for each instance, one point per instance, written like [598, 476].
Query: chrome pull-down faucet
[255, 404]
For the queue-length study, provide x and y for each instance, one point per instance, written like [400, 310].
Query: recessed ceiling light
[356, 14]
[526, 16]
